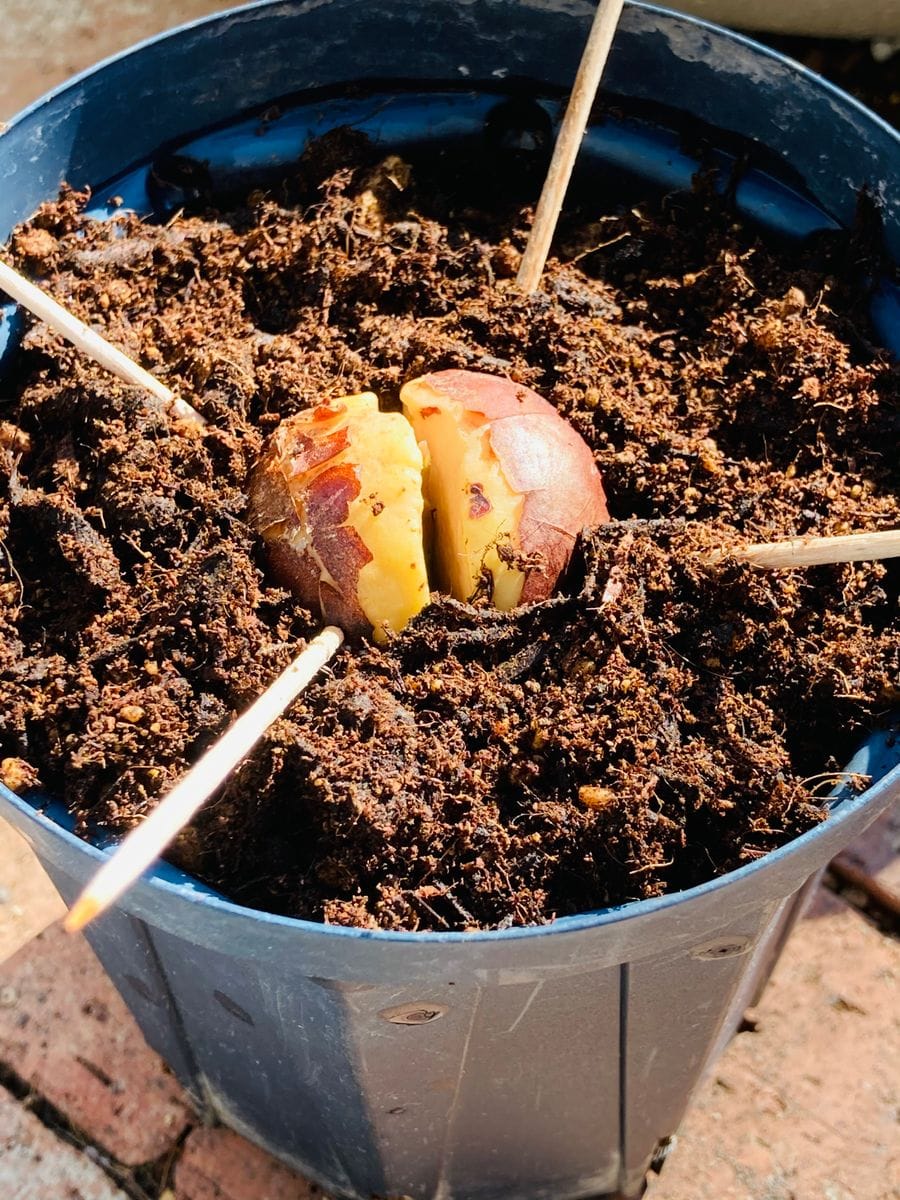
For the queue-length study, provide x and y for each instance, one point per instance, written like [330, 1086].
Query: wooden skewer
[794, 552]
[146, 842]
[568, 144]
[817, 551]
[89, 342]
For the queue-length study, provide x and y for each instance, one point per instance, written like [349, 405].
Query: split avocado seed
[478, 474]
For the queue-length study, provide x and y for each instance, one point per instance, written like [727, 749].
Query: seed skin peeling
[337, 497]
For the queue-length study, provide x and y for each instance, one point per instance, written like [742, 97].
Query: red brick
[217, 1164]
[36, 1165]
[28, 900]
[877, 852]
[806, 1106]
[66, 1032]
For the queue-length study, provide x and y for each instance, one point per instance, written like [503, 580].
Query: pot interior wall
[633, 151]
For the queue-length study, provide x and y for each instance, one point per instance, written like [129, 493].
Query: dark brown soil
[484, 770]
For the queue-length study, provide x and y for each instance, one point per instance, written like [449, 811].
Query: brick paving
[877, 854]
[36, 1165]
[804, 1107]
[65, 1032]
[28, 900]
[217, 1164]
[45, 42]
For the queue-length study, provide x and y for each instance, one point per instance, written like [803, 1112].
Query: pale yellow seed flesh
[387, 515]
[459, 457]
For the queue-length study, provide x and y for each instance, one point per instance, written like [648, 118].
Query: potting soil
[659, 722]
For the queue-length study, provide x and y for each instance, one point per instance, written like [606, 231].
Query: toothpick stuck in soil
[817, 551]
[147, 841]
[89, 342]
[568, 144]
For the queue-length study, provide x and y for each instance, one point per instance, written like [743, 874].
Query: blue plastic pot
[533, 1062]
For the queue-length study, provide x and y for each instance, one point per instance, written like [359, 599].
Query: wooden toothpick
[816, 551]
[147, 841]
[791, 553]
[568, 144]
[89, 342]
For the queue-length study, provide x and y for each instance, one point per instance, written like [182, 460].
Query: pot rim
[745, 41]
[184, 892]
